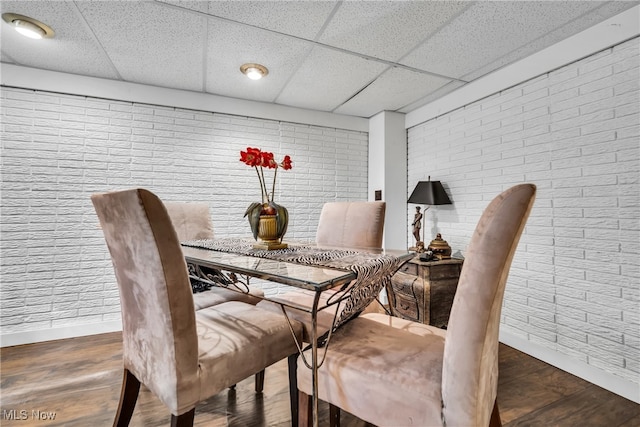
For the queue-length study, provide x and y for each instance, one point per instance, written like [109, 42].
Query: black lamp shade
[429, 193]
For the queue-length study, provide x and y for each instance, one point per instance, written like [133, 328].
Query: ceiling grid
[350, 58]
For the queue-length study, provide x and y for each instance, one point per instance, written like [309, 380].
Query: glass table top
[302, 276]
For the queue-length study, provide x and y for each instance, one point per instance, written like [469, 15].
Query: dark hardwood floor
[79, 381]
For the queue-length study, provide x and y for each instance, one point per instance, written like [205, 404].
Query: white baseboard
[28, 337]
[613, 383]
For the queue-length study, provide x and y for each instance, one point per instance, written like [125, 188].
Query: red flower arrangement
[260, 160]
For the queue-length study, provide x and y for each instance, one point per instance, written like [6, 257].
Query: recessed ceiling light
[254, 71]
[28, 27]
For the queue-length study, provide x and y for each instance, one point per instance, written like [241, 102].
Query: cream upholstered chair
[192, 221]
[351, 224]
[393, 372]
[181, 355]
[341, 225]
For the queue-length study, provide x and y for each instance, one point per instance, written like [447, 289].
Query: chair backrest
[470, 368]
[192, 221]
[351, 224]
[160, 344]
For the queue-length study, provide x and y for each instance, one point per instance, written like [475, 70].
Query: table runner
[373, 271]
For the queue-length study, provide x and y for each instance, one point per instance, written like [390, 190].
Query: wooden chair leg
[293, 388]
[304, 409]
[260, 381]
[495, 416]
[334, 416]
[184, 420]
[128, 398]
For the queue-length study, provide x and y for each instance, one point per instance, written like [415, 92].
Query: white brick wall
[574, 286]
[59, 149]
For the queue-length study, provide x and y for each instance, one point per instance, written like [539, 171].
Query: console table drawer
[406, 307]
[409, 268]
[424, 291]
[404, 284]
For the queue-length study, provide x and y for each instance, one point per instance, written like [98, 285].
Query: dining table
[351, 277]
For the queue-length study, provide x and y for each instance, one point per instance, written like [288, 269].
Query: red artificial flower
[251, 157]
[286, 163]
[268, 161]
[259, 159]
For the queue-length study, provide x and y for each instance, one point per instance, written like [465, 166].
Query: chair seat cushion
[405, 325]
[215, 296]
[404, 367]
[236, 340]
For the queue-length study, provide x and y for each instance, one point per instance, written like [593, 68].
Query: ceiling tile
[195, 5]
[387, 29]
[327, 78]
[200, 45]
[562, 32]
[72, 50]
[231, 45]
[438, 93]
[391, 91]
[149, 42]
[299, 18]
[489, 30]
[6, 58]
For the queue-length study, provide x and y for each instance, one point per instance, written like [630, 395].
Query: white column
[388, 173]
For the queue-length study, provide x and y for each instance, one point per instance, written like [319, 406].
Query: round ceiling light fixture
[28, 27]
[254, 71]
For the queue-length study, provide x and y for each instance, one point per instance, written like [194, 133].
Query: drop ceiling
[347, 57]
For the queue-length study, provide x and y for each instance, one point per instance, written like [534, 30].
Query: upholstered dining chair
[341, 225]
[393, 372]
[181, 355]
[192, 221]
[356, 224]
[351, 224]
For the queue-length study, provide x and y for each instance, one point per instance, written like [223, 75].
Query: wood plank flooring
[79, 380]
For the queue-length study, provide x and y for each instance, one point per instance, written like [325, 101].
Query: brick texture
[59, 149]
[574, 132]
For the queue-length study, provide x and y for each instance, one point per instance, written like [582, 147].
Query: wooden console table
[423, 291]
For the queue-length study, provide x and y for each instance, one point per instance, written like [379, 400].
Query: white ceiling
[348, 57]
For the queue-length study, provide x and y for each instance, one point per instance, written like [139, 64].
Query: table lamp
[426, 193]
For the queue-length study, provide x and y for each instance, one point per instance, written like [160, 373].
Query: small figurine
[417, 225]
